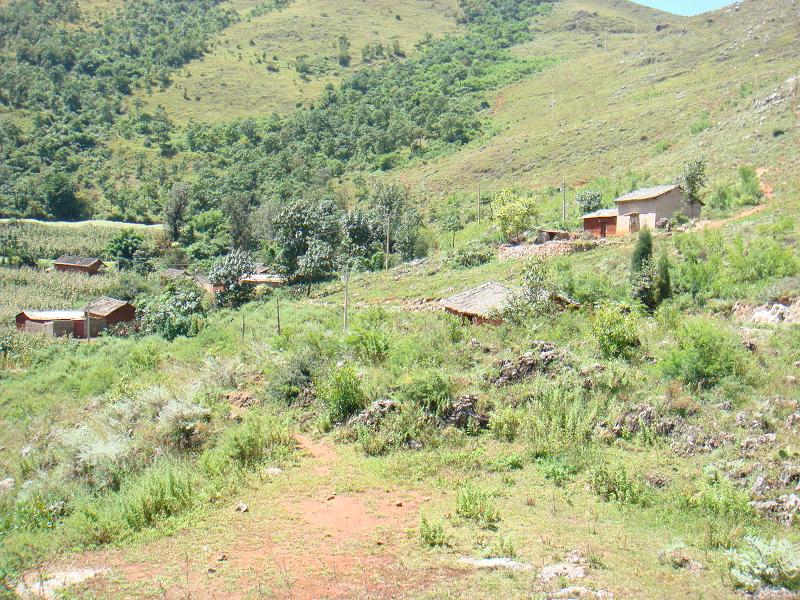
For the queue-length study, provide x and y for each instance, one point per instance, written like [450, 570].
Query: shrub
[225, 372]
[98, 458]
[246, 445]
[506, 423]
[515, 214]
[182, 423]
[228, 272]
[760, 563]
[406, 428]
[615, 330]
[615, 485]
[369, 344]
[164, 490]
[475, 504]
[471, 254]
[430, 390]
[431, 534]
[176, 312]
[342, 394]
[295, 376]
[718, 497]
[560, 417]
[589, 200]
[703, 355]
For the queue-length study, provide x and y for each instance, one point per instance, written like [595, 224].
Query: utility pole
[564, 201]
[242, 327]
[388, 237]
[479, 203]
[278, 312]
[88, 324]
[346, 295]
[606, 40]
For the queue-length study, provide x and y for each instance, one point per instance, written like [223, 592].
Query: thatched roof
[102, 307]
[484, 301]
[77, 261]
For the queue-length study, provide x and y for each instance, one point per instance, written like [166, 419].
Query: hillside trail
[315, 530]
[766, 189]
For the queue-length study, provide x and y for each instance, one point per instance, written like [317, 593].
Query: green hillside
[623, 427]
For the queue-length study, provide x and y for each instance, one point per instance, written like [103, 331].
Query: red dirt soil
[310, 544]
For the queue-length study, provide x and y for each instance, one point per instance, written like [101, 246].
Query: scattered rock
[461, 412]
[774, 594]
[35, 586]
[545, 357]
[768, 314]
[633, 420]
[241, 507]
[398, 504]
[574, 566]
[6, 486]
[793, 420]
[678, 559]
[331, 497]
[790, 380]
[241, 399]
[691, 440]
[222, 557]
[375, 413]
[273, 471]
[784, 509]
[495, 563]
[580, 593]
[753, 443]
[476, 345]
[656, 480]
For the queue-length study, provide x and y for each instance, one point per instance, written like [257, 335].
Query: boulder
[462, 411]
[375, 413]
[544, 357]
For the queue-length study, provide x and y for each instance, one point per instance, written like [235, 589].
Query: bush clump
[475, 504]
[703, 356]
[760, 563]
[248, 444]
[431, 534]
[615, 330]
[182, 423]
[471, 254]
[430, 390]
[615, 485]
[342, 394]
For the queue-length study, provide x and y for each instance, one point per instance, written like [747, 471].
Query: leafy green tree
[515, 214]
[228, 271]
[239, 209]
[175, 208]
[298, 225]
[318, 261]
[451, 221]
[663, 284]
[343, 43]
[123, 248]
[178, 311]
[589, 200]
[693, 180]
[642, 251]
[643, 274]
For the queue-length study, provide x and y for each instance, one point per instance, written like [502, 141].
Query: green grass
[233, 80]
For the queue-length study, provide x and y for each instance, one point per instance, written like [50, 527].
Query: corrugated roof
[647, 193]
[483, 301]
[77, 261]
[264, 278]
[260, 268]
[53, 315]
[174, 273]
[102, 307]
[603, 212]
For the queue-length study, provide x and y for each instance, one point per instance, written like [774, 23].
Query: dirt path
[311, 532]
[766, 189]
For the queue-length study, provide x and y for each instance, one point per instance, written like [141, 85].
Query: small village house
[479, 305]
[207, 285]
[264, 278]
[644, 208]
[53, 323]
[102, 313]
[168, 275]
[78, 264]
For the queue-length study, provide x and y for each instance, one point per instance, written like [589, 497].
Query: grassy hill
[252, 69]
[605, 450]
[699, 86]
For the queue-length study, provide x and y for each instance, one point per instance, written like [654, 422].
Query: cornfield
[51, 240]
[31, 289]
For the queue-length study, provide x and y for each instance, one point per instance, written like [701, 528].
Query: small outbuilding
[208, 285]
[78, 264]
[480, 305]
[265, 278]
[54, 323]
[601, 223]
[640, 209]
[105, 312]
[168, 275]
